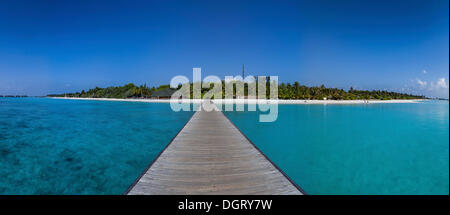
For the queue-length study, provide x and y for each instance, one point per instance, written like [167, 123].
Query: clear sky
[66, 46]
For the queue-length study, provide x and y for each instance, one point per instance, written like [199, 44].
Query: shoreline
[254, 101]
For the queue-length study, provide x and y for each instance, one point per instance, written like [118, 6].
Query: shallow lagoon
[357, 149]
[50, 146]
[53, 146]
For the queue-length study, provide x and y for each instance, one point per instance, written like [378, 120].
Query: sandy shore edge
[255, 101]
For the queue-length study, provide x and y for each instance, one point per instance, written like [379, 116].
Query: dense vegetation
[285, 91]
[123, 92]
[297, 91]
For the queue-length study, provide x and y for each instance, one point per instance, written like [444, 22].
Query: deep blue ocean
[52, 146]
[357, 149]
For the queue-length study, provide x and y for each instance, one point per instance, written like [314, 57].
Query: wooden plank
[211, 156]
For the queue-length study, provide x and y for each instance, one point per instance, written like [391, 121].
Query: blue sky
[66, 46]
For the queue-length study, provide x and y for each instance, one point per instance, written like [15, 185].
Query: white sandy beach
[255, 101]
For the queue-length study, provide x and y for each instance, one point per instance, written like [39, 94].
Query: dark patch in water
[2, 137]
[22, 125]
[67, 155]
[77, 168]
[4, 152]
[22, 144]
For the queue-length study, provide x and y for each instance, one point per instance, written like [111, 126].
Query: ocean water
[50, 146]
[53, 146]
[357, 149]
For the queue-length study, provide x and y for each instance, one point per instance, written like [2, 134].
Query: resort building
[165, 93]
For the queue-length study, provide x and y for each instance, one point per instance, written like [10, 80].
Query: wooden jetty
[211, 156]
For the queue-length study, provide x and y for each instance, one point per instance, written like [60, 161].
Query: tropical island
[286, 91]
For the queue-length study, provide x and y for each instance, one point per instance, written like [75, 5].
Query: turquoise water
[52, 146]
[357, 149]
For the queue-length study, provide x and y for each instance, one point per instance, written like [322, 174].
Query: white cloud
[422, 84]
[438, 88]
[425, 71]
[441, 83]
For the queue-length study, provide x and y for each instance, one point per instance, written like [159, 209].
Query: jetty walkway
[211, 156]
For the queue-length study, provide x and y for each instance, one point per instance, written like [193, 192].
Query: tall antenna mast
[243, 71]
